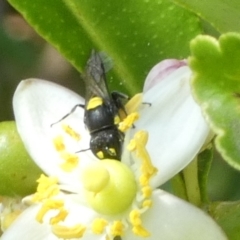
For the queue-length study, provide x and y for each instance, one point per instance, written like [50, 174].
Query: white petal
[171, 218]
[160, 72]
[25, 227]
[176, 127]
[37, 104]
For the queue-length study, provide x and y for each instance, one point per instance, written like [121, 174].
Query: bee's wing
[94, 78]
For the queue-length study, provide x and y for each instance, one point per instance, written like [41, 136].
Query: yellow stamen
[144, 179]
[136, 221]
[47, 187]
[132, 145]
[117, 228]
[147, 203]
[135, 217]
[99, 225]
[128, 122]
[140, 231]
[134, 103]
[58, 143]
[62, 214]
[138, 144]
[94, 102]
[48, 205]
[65, 232]
[72, 161]
[147, 191]
[71, 132]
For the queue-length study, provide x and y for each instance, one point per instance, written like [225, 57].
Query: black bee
[101, 112]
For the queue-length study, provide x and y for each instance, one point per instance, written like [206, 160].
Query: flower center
[110, 186]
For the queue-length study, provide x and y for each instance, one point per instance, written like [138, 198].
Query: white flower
[65, 205]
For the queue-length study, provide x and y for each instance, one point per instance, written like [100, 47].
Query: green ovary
[110, 186]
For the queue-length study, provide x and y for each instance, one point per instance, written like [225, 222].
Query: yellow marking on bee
[100, 154]
[71, 132]
[112, 151]
[94, 102]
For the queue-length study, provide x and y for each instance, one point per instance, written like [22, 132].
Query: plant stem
[190, 174]
[178, 186]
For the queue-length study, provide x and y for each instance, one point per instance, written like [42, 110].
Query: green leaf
[18, 173]
[135, 34]
[204, 165]
[216, 85]
[224, 15]
[227, 215]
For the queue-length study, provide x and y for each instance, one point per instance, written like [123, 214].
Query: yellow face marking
[100, 155]
[112, 151]
[94, 102]
[67, 129]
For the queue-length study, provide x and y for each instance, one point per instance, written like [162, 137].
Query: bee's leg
[147, 103]
[72, 110]
[119, 100]
[83, 150]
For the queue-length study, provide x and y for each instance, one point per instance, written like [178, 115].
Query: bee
[101, 112]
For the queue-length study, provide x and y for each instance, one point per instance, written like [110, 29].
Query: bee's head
[107, 144]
